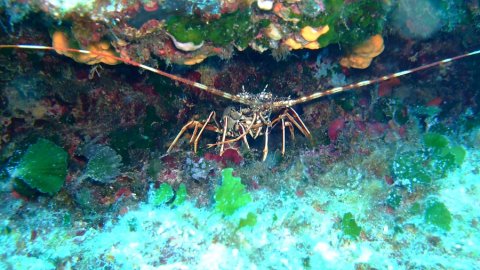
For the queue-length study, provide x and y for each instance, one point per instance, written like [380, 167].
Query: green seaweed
[166, 195]
[180, 195]
[443, 157]
[103, 164]
[459, 154]
[349, 226]
[349, 23]
[231, 194]
[163, 194]
[186, 29]
[435, 141]
[43, 167]
[409, 167]
[249, 220]
[433, 161]
[415, 209]
[438, 215]
[230, 28]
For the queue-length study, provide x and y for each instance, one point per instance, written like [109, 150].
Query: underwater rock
[210, 28]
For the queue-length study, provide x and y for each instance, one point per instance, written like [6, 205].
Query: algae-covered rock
[434, 160]
[43, 167]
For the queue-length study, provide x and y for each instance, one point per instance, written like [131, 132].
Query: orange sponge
[362, 55]
[60, 43]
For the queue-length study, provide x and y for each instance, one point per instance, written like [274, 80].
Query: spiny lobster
[255, 118]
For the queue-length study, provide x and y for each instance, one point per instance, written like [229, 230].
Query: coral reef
[388, 180]
[187, 32]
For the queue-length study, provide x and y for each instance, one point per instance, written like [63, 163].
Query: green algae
[186, 29]
[43, 167]
[180, 195]
[349, 23]
[229, 28]
[409, 168]
[163, 194]
[438, 215]
[231, 194]
[248, 221]
[433, 161]
[103, 164]
[349, 226]
[435, 141]
[394, 199]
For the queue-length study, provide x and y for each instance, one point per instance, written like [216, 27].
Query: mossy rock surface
[434, 160]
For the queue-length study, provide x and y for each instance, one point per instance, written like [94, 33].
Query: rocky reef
[187, 32]
[387, 176]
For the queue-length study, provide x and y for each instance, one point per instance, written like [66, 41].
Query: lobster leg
[297, 117]
[259, 131]
[195, 144]
[290, 127]
[225, 126]
[184, 128]
[305, 132]
[239, 137]
[194, 133]
[245, 138]
[283, 137]
[265, 148]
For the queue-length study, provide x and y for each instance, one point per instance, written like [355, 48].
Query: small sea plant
[349, 226]
[163, 194]
[438, 215]
[231, 194]
[249, 221]
[166, 195]
[103, 163]
[43, 167]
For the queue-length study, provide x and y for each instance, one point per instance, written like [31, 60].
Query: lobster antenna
[200, 86]
[353, 86]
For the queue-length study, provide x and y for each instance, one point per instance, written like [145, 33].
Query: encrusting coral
[362, 55]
